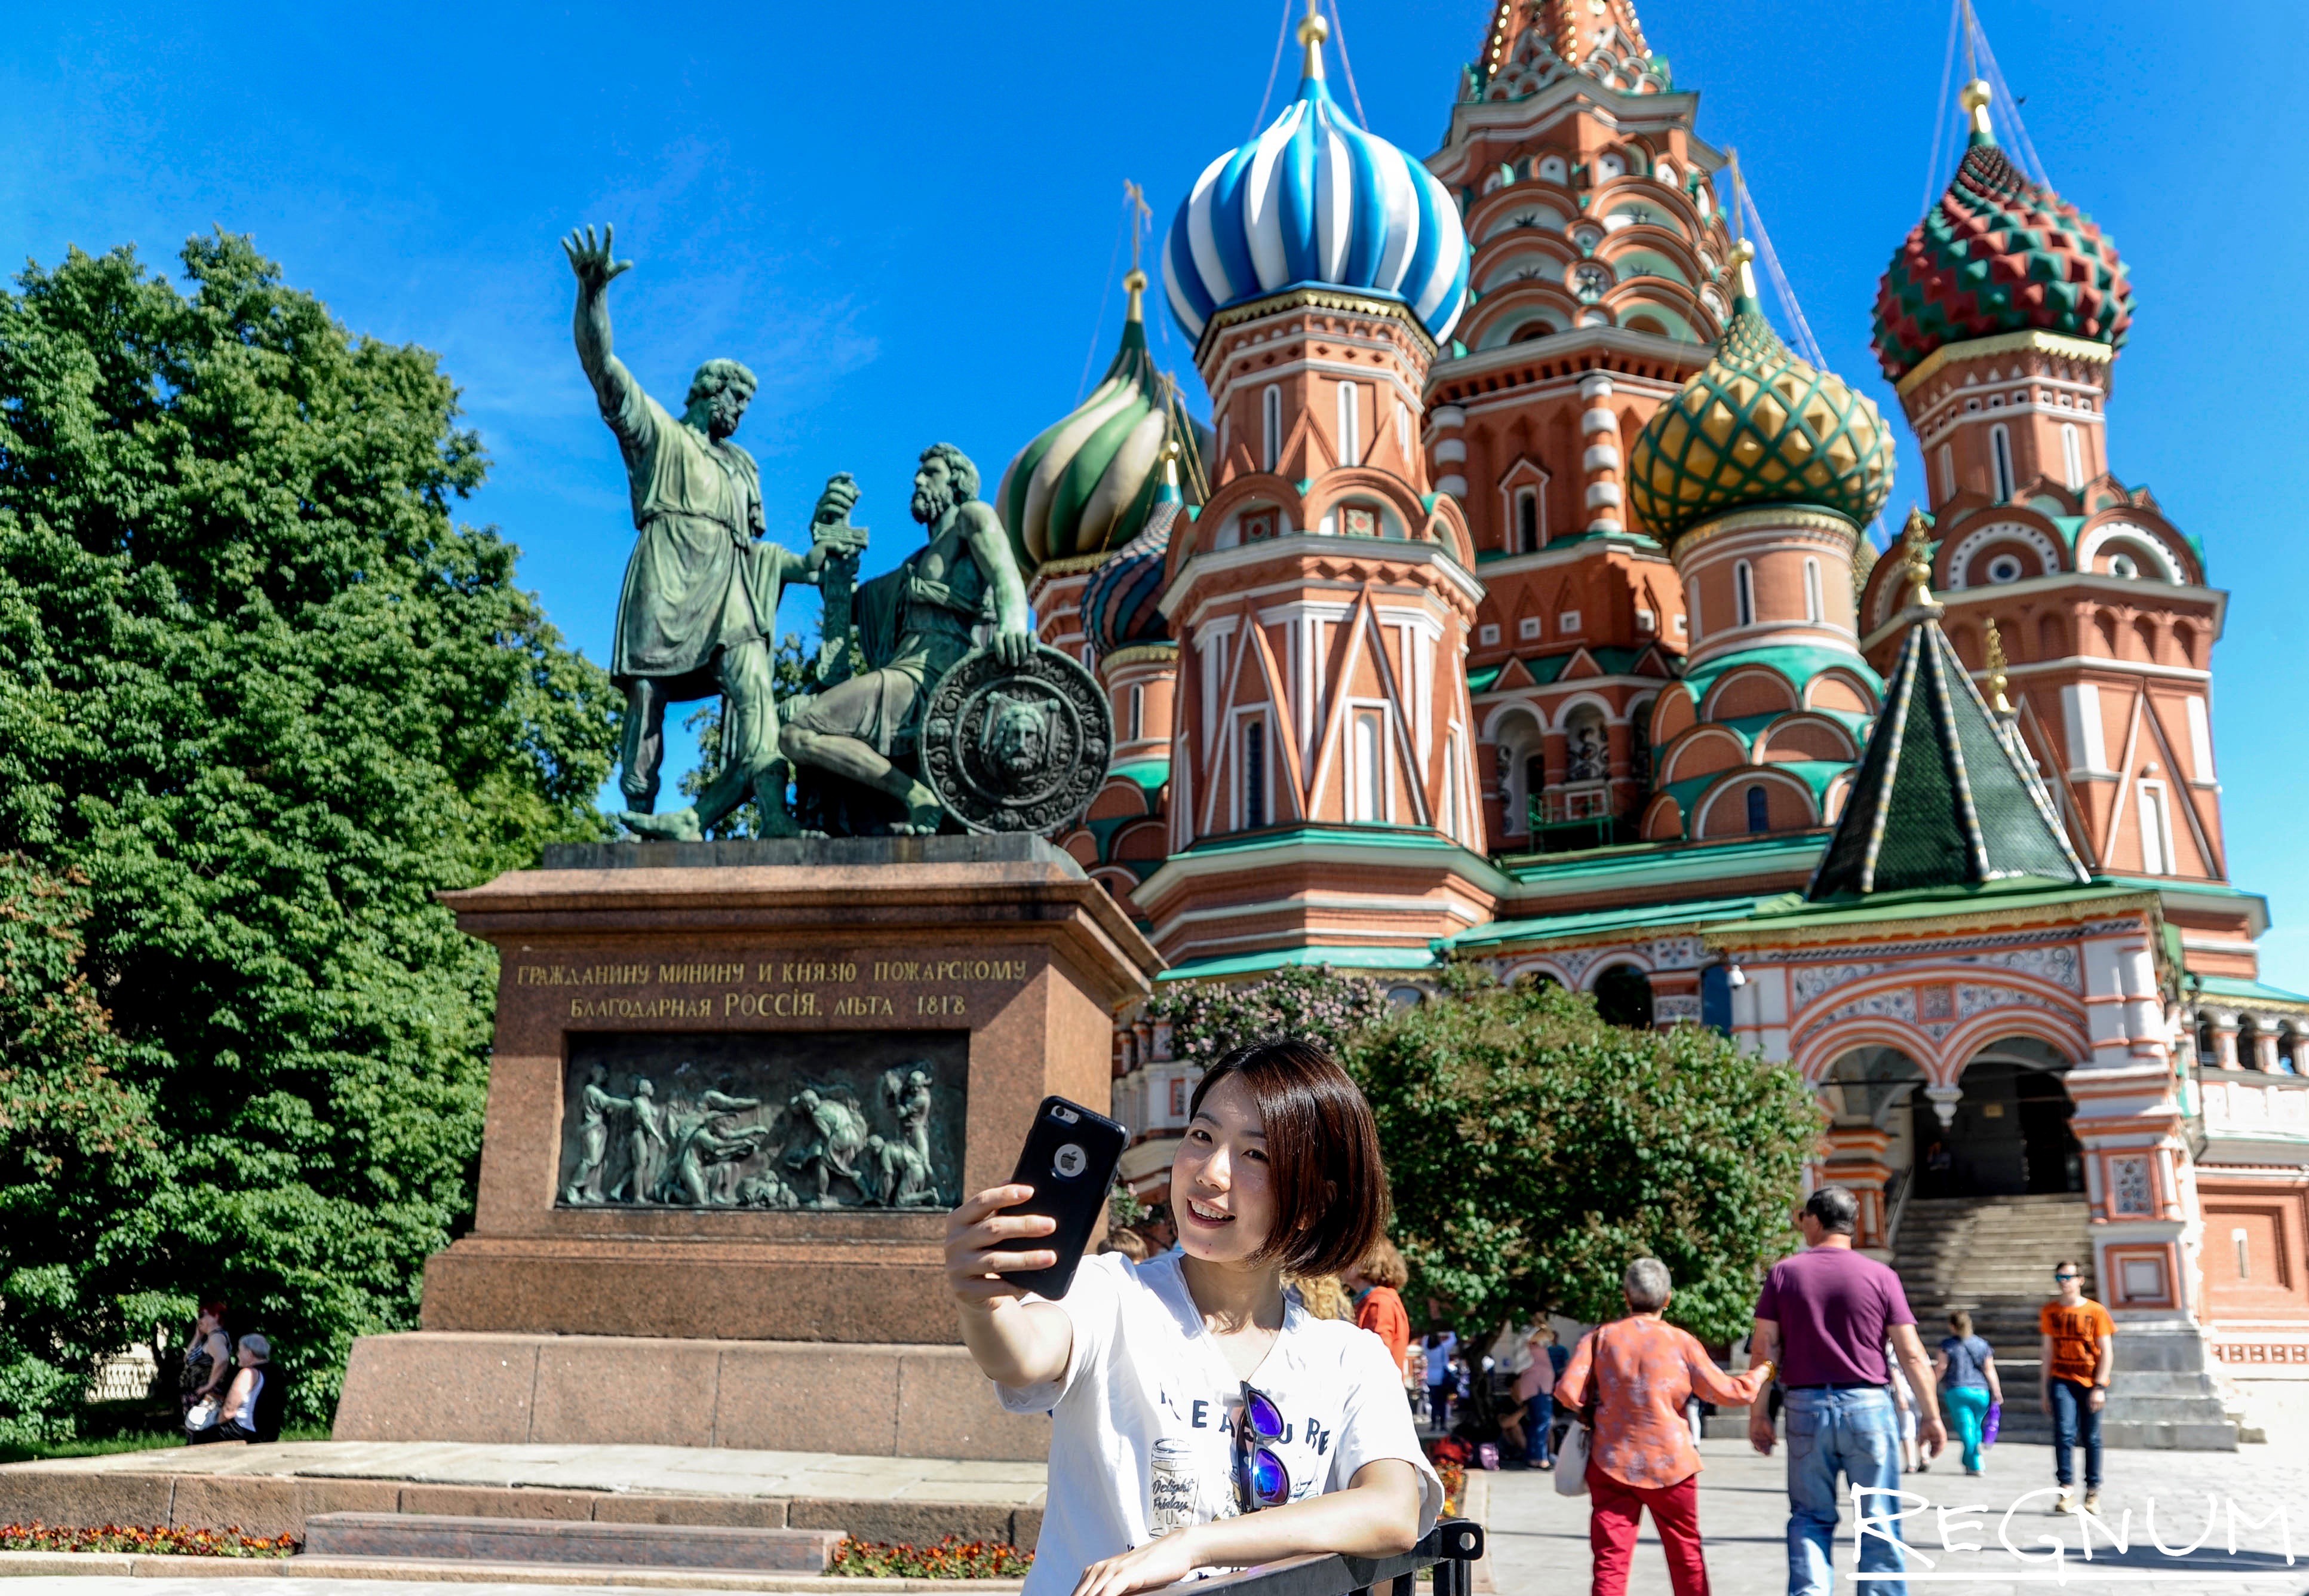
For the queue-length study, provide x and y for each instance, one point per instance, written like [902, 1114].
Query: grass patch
[159, 1539]
[951, 1559]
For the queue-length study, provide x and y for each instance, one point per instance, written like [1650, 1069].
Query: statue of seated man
[962, 575]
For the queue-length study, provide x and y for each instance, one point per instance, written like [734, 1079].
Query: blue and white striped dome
[1317, 201]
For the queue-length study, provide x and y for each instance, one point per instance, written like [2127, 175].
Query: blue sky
[906, 220]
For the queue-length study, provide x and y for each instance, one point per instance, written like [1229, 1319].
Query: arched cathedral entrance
[2004, 1131]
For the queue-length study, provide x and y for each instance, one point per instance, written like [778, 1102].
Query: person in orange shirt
[2077, 1355]
[1641, 1370]
[1378, 1283]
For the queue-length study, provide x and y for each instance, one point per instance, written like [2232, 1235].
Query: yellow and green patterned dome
[1756, 427]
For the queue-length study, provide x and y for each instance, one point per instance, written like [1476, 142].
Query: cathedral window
[1743, 593]
[1369, 797]
[1254, 772]
[1270, 416]
[1527, 521]
[1948, 471]
[2072, 454]
[1138, 713]
[1527, 628]
[1815, 610]
[1403, 429]
[1759, 811]
[1350, 447]
[2155, 831]
[2000, 447]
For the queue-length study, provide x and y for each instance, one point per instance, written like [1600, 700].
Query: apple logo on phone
[1070, 1162]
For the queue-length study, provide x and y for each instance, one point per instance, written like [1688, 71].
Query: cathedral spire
[1312, 31]
[1574, 30]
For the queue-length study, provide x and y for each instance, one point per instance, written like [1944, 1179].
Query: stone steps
[440, 1538]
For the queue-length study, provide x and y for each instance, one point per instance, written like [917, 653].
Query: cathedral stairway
[1994, 1257]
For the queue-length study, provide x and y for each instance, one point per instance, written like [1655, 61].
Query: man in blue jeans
[1824, 1316]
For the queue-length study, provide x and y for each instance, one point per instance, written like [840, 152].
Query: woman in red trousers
[1642, 1371]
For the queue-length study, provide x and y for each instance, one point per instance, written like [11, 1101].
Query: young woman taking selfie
[1200, 1417]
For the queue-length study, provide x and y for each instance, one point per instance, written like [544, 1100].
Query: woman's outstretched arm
[1014, 1342]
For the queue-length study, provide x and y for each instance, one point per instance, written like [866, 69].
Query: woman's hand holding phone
[984, 1243]
[1013, 1342]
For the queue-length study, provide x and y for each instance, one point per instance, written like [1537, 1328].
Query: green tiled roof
[1149, 774]
[1798, 663]
[1607, 921]
[1275, 958]
[1926, 902]
[1940, 799]
[2250, 992]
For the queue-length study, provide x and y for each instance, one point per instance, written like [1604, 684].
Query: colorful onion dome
[1316, 200]
[1999, 253]
[1120, 602]
[1085, 484]
[1757, 425]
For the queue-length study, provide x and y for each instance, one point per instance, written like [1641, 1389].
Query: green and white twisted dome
[1087, 482]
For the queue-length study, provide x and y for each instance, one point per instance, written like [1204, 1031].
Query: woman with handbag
[1637, 1373]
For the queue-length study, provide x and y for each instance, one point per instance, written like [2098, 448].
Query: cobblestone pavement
[1539, 1540]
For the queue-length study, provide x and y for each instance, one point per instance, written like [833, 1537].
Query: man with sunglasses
[2078, 1353]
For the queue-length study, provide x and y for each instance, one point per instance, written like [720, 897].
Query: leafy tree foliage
[261, 697]
[1535, 1151]
[1208, 1018]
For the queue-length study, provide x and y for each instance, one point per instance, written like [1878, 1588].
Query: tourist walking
[1969, 1386]
[1907, 1407]
[1639, 1371]
[1535, 1387]
[1378, 1283]
[2076, 1358]
[1824, 1315]
[1200, 1417]
[1443, 1379]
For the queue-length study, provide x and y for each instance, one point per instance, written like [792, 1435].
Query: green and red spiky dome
[1998, 253]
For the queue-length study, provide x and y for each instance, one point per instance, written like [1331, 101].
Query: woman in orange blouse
[1642, 1371]
[1378, 1283]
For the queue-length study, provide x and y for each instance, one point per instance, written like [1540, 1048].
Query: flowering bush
[1450, 1457]
[951, 1559]
[1313, 1002]
[36, 1537]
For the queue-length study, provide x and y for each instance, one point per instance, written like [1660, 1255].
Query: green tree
[263, 694]
[78, 1149]
[1206, 1018]
[1536, 1151]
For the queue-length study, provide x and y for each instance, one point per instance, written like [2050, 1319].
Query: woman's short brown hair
[1322, 1144]
[1383, 1265]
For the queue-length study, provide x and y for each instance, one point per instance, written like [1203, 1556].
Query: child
[1201, 1418]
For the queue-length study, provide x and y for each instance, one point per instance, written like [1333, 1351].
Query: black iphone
[1069, 1160]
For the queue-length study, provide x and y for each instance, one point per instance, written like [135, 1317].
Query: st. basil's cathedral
[1516, 604]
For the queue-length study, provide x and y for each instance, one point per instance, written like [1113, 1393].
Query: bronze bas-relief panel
[764, 1120]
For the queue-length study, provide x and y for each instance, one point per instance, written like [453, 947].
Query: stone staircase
[1994, 1257]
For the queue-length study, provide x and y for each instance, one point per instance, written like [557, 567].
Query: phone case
[1069, 1159]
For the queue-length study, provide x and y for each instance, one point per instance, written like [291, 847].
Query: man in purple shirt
[1825, 1316]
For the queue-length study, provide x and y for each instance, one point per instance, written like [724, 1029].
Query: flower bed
[160, 1540]
[951, 1559]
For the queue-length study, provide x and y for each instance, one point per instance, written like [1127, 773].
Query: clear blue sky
[904, 217]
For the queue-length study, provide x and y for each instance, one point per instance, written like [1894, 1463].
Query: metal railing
[1451, 1550]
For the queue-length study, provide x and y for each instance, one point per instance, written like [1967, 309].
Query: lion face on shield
[1017, 738]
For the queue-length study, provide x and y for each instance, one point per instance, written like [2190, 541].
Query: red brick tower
[1999, 322]
[1601, 280]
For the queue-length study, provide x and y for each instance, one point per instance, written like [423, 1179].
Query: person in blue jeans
[1535, 1386]
[1824, 1316]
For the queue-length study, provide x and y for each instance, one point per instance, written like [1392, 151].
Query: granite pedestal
[575, 1311]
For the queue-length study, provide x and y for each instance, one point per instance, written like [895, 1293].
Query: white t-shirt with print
[1142, 1369]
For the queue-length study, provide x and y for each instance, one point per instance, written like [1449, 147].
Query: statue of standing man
[701, 592]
